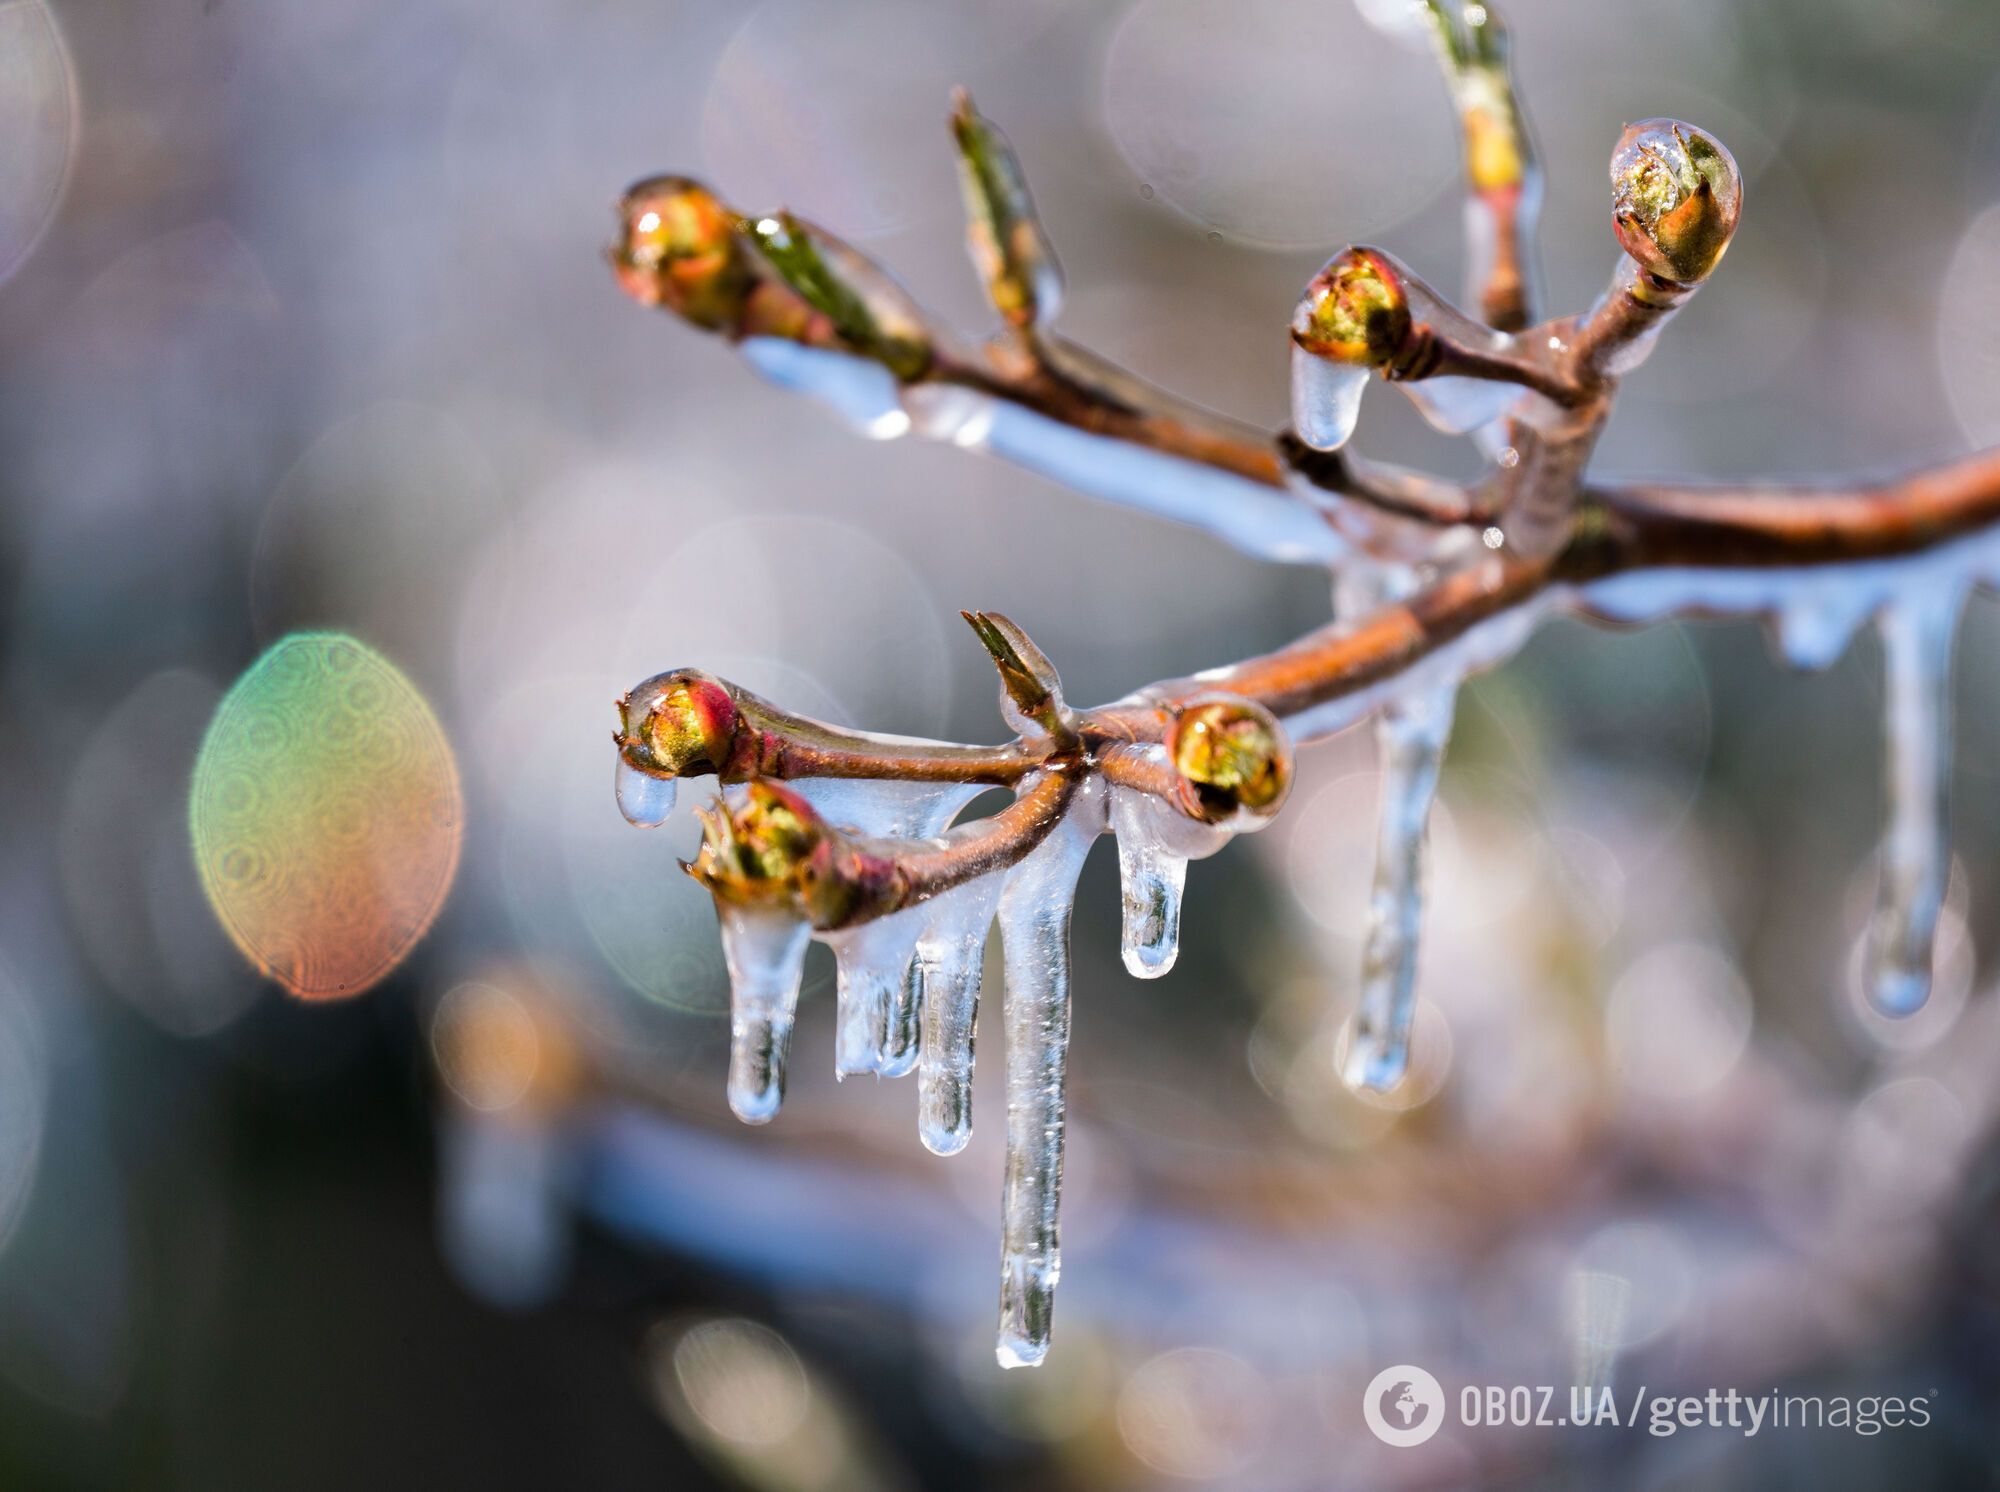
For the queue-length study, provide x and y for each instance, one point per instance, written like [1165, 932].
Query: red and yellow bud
[770, 848]
[1676, 199]
[678, 248]
[1355, 311]
[1231, 756]
[755, 849]
[678, 722]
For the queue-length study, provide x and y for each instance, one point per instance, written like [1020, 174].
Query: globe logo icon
[1403, 1405]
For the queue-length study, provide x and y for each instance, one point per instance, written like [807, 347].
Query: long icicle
[1916, 850]
[1034, 929]
[1411, 733]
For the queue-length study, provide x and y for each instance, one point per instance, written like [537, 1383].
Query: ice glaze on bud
[1231, 755]
[1031, 696]
[860, 303]
[755, 851]
[1355, 311]
[1676, 197]
[677, 722]
[770, 848]
[1005, 237]
[678, 248]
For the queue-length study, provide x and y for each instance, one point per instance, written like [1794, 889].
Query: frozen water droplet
[950, 960]
[645, 800]
[1155, 843]
[1411, 733]
[1917, 638]
[1034, 931]
[1326, 400]
[1152, 882]
[766, 954]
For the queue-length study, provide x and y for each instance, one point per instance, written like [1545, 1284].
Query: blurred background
[304, 324]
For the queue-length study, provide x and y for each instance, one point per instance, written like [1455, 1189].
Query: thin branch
[1503, 174]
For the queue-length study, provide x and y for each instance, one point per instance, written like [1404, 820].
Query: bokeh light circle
[1968, 310]
[38, 122]
[1261, 120]
[1678, 1021]
[326, 815]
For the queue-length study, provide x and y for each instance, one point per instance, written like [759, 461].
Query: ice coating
[1326, 400]
[1459, 406]
[1411, 733]
[1034, 932]
[878, 991]
[863, 393]
[872, 1021]
[644, 799]
[951, 956]
[1257, 520]
[766, 954]
[898, 810]
[1155, 843]
[1917, 634]
[1819, 619]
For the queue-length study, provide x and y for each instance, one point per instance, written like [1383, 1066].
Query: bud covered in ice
[1676, 197]
[678, 249]
[1231, 755]
[1355, 311]
[678, 722]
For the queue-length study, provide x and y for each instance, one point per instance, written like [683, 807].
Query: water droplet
[645, 800]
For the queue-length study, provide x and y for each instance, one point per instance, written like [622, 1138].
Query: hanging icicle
[1034, 931]
[766, 954]
[950, 961]
[1155, 843]
[1917, 634]
[1411, 733]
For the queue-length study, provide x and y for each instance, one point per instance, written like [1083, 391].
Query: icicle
[903, 1025]
[1916, 855]
[1819, 618]
[874, 964]
[1151, 878]
[878, 992]
[644, 800]
[1412, 732]
[1155, 843]
[766, 954]
[1326, 400]
[1034, 929]
[950, 959]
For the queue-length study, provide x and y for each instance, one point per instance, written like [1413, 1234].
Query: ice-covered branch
[1503, 177]
[847, 836]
